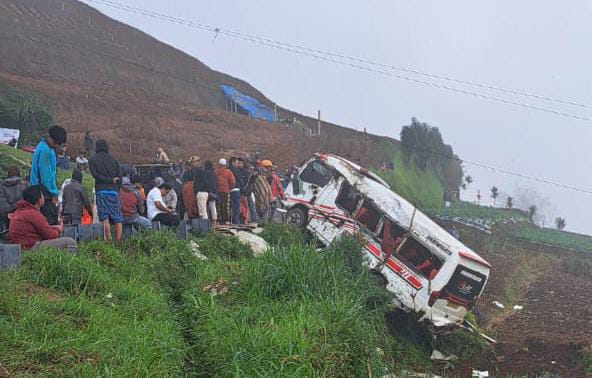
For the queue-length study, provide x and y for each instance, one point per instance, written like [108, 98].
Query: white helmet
[222, 162]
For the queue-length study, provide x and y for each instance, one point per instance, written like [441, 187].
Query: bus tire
[298, 217]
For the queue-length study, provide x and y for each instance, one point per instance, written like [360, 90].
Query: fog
[538, 47]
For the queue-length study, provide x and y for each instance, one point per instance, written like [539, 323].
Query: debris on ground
[439, 356]
[246, 233]
[257, 243]
[217, 288]
[518, 308]
[480, 374]
[498, 304]
[196, 252]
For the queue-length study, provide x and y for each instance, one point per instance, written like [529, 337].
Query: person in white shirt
[156, 209]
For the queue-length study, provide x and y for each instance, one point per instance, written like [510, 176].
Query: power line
[452, 157]
[314, 53]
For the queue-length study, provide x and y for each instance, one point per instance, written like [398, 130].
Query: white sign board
[6, 135]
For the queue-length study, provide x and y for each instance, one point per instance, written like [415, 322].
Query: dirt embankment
[555, 324]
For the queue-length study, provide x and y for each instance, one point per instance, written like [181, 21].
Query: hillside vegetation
[423, 188]
[151, 306]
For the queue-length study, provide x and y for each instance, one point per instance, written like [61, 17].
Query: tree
[469, 179]
[478, 197]
[510, 202]
[560, 223]
[26, 112]
[532, 209]
[494, 194]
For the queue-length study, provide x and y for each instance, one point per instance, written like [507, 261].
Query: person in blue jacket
[43, 171]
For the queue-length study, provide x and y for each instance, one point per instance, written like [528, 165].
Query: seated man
[157, 211]
[132, 204]
[30, 229]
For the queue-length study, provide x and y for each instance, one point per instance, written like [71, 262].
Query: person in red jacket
[226, 182]
[30, 229]
[275, 184]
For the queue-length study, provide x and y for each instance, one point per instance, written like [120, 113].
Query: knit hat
[102, 146]
[158, 181]
[222, 162]
[77, 175]
[125, 180]
[267, 163]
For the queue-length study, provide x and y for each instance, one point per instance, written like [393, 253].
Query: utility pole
[365, 138]
[319, 123]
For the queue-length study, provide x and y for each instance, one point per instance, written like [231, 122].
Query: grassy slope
[468, 211]
[422, 188]
[147, 306]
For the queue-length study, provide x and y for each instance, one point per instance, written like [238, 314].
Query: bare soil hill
[101, 75]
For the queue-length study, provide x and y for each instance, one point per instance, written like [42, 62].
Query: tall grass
[147, 307]
[86, 315]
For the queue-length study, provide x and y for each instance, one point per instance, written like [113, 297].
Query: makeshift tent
[247, 104]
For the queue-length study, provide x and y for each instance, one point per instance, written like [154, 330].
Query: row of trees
[560, 222]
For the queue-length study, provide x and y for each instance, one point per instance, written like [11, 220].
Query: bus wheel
[297, 216]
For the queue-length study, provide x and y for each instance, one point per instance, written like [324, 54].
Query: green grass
[86, 315]
[11, 156]
[148, 307]
[465, 210]
[422, 188]
[557, 238]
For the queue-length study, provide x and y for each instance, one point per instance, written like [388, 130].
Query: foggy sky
[540, 47]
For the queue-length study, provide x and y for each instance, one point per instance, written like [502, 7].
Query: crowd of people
[236, 190]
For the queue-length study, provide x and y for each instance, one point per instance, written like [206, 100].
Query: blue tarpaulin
[248, 104]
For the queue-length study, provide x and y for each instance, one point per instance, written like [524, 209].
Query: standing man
[43, 171]
[205, 187]
[107, 173]
[226, 182]
[75, 200]
[235, 192]
[89, 145]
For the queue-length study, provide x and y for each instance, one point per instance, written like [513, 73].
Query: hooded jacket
[74, 199]
[104, 167]
[43, 168]
[205, 181]
[132, 204]
[226, 180]
[11, 191]
[28, 226]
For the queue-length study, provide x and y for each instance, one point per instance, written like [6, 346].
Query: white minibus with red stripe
[427, 269]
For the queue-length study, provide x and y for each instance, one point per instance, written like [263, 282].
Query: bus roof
[399, 209]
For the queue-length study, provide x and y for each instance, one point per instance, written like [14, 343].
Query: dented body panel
[427, 269]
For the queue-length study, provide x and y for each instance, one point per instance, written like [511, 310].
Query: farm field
[552, 237]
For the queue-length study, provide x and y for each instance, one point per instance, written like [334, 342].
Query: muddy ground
[555, 324]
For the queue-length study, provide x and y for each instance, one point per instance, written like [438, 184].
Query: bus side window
[391, 236]
[348, 198]
[369, 216]
[316, 173]
[420, 258]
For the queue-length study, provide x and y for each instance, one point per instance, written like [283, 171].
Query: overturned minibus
[428, 270]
